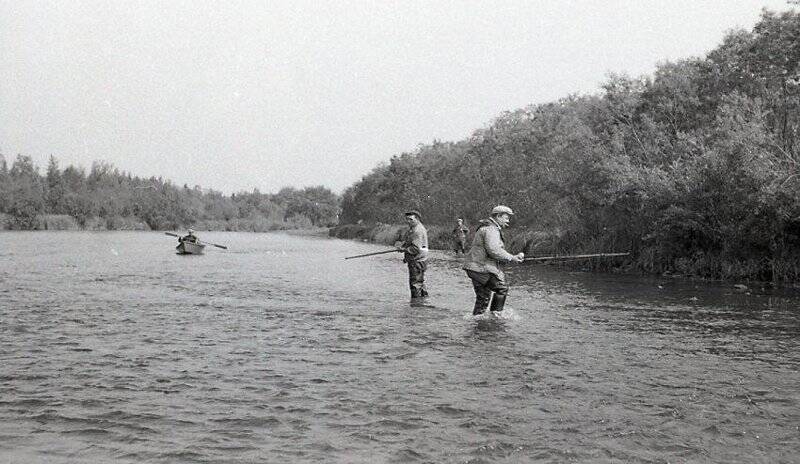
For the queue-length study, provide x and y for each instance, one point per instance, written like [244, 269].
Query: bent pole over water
[394, 250]
[596, 255]
[199, 241]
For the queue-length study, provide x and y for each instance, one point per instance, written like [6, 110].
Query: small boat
[190, 248]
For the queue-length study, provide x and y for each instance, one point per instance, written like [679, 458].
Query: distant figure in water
[190, 237]
[415, 253]
[460, 237]
[482, 263]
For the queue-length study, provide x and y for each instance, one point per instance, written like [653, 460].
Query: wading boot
[498, 301]
[480, 306]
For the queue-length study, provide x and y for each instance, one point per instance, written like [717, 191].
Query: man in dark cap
[483, 260]
[190, 237]
[415, 253]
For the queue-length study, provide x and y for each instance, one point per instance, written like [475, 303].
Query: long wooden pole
[199, 241]
[596, 255]
[373, 254]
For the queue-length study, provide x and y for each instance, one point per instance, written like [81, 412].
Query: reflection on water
[114, 349]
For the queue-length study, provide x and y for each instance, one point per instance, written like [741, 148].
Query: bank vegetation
[107, 199]
[693, 169]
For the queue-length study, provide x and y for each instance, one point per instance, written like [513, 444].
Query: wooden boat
[189, 248]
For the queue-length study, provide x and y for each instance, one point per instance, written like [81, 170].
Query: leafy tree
[694, 169]
[5, 185]
[56, 189]
[26, 193]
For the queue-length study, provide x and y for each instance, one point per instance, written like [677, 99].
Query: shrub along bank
[695, 170]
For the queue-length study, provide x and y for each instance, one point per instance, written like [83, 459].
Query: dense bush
[59, 222]
[694, 169]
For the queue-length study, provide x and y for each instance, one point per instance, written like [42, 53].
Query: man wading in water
[483, 261]
[460, 237]
[415, 253]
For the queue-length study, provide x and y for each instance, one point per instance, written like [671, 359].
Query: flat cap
[500, 209]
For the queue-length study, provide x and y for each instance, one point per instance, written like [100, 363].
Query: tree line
[694, 168]
[105, 198]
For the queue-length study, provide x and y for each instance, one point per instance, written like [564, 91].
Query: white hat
[500, 209]
[191, 231]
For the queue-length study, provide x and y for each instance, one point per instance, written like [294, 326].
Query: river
[115, 349]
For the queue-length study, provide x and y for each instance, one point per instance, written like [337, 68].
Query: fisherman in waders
[190, 237]
[415, 253]
[460, 237]
[483, 260]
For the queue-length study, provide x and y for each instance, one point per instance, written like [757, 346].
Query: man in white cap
[483, 261]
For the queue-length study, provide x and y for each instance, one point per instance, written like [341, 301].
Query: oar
[213, 244]
[199, 241]
[373, 254]
[596, 255]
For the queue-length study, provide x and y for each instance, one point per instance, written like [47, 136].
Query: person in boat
[482, 262]
[190, 237]
[460, 237]
[415, 253]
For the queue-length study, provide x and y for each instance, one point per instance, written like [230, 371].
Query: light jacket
[416, 244]
[487, 250]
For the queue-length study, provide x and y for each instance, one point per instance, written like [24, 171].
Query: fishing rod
[199, 241]
[596, 255]
[395, 250]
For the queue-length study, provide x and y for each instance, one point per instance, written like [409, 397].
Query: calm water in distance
[115, 349]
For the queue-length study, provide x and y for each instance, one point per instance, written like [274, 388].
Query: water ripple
[278, 351]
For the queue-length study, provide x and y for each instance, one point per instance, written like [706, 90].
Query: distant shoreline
[45, 222]
[316, 232]
[530, 242]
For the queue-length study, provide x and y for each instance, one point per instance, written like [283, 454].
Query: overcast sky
[241, 95]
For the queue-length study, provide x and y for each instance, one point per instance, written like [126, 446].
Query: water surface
[114, 349]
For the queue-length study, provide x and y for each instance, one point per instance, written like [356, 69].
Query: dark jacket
[460, 232]
[188, 238]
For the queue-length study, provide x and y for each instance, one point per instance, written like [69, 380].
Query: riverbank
[534, 243]
[537, 243]
[318, 232]
[66, 222]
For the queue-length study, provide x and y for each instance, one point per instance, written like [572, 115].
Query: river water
[115, 349]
